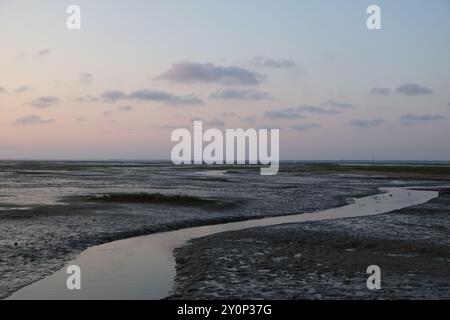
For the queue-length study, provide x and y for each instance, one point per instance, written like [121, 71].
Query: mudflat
[52, 211]
[324, 260]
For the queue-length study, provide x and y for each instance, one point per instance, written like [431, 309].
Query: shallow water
[144, 267]
[34, 184]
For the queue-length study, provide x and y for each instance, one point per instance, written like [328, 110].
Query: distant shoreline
[285, 161]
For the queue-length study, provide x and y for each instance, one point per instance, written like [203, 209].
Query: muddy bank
[40, 239]
[324, 260]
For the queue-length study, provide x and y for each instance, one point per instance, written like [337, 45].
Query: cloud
[248, 118]
[288, 113]
[44, 102]
[236, 116]
[247, 95]
[338, 105]
[380, 91]
[125, 108]
[304, 127]
[367, 123]
[3, 90]
[151, 95]
[328, 58]
[329, 107]
[80, 119]
[273, 63]
[413, 89]
[269, 127]
[107, 113]
[168, 127]
[22, 89]
[31, 120]
[87, 98]
[210, 123]
[44, 52]
[86, 77]
[412, 118]
[315, 109]
[409, 89]
[113, 96]
[21, 56]
[228, 114]
[215, 123]
[190, 72]
[168, 98]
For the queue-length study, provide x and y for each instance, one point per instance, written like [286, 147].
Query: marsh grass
[155, 198]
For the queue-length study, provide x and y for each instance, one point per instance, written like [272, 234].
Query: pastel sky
[138, 69]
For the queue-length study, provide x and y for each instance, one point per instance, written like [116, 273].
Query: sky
[139, 69]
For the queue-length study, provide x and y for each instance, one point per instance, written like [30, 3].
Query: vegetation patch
[155, 198]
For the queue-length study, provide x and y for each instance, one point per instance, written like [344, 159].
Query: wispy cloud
[273, 63]
[234, 94]
[31, 120]
[216, 123]
[125, 108]
[269, 127]
[228, 114]
[191, 72]
[304, 127]
[44, 102]
[316, 109]
[168, 98]
[44, 52]
[210, 123]
[21, 56]
[3, 90]
[151, 95]
[330, 107]
[87, 98]
[249, 119]
[377, 91]
[338, 105]
[287, 113]
[412, 118]
[366, 123]
[168, 127]
[22, 89]
[86, 78]
[413, 89]
[113, 96]
[236, 116]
